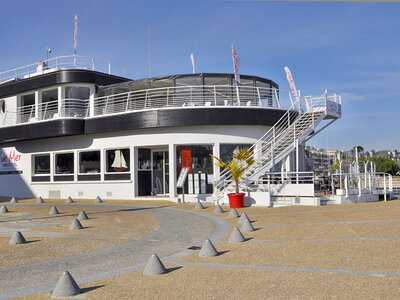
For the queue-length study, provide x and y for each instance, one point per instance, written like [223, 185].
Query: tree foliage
[385, 164]
[241, 161]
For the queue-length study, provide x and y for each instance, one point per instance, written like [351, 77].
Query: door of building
[153, 172]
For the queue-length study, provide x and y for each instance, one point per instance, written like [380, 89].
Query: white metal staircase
[298, 124]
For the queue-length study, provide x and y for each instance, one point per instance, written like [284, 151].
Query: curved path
[180, 229]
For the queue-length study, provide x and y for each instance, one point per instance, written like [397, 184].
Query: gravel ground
[46, 236]
[320, 253]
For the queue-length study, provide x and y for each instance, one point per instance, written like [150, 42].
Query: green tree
[385, 164]
[359, 148]
[241, 161]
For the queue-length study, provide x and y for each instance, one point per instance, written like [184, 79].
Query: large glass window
[27, 100]
[89, 162]
[50, 95]
[118, 160]
[144, 159]
[76, 92]
[197, 158]
[41, 164]
[64, 163]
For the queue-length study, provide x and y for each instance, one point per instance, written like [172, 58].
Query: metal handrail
[167, 97]
[275, 142]
[186, 96]
[66, 108]
[69, 62]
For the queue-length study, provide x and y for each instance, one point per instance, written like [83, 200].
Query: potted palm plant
[241, 161]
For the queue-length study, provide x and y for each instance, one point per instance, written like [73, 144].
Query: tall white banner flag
[192, 58]
[291, 83]
[236, 62]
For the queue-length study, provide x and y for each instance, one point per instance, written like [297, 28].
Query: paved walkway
[180, 229]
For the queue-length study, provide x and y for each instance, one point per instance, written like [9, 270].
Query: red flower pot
[236, 200]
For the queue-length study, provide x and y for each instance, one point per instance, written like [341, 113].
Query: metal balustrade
[158, 98]
[66, 108]
[290, 130]
[70, 62]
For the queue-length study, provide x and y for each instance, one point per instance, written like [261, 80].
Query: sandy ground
[41, 232]
[286, 244]
[225, 283]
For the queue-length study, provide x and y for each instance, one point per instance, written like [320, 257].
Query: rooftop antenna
[48, 50]
[149, 53]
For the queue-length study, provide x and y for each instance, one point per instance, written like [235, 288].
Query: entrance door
[160, 172]
[153, 172]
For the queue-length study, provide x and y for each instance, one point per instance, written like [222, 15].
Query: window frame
[79, 162]
[33, 156]
[55, 163]
[117, 148]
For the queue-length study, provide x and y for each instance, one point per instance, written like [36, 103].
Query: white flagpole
[149, 53]
[75, 38]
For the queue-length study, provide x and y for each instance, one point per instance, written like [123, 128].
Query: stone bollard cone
[233, 214]
[3, 209]
[75, 224]
[236, 236]
[82, 216]
[199, 205]
[17, 238]
[243, 217]
[53, 211]
[154, 266]
[247, 226]
[218, 209]
[66, 286]
[208, 249]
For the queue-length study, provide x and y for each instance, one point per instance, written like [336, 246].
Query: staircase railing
[280, 139]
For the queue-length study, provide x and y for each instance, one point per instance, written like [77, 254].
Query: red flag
[291, 83]
[236, 62]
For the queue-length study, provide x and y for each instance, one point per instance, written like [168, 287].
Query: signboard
[334, 106]
[187, 159]
[10, 161]
[182, 177]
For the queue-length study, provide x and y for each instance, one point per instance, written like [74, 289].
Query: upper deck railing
[158, 98]
[70, 62]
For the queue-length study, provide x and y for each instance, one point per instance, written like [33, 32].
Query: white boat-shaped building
[67, 129]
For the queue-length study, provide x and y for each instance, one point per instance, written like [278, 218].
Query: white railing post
[277, 99]
[106, 106]
[259, 98]
[109, 68]
[237, 95]
[167, 97]
[326, 101]
[127, 101]
[45, 111]
[92, 63]
[312, 113]
[384, 186]
[215, 96]
[345, 186]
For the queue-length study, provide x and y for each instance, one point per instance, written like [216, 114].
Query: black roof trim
[56, 78]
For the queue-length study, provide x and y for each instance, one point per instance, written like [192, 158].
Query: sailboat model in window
[119, 163]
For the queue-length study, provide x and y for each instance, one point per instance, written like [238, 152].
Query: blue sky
[352, 48]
